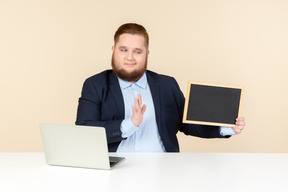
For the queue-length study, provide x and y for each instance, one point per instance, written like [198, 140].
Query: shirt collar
[142, 82]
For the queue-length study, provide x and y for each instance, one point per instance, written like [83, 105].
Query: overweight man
[141, 110]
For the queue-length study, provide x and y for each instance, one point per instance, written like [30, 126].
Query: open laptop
[76, 146]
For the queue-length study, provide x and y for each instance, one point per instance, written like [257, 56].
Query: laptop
[76, 146]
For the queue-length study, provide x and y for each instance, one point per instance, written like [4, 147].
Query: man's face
[129, 59]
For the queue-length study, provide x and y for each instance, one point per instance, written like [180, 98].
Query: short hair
[131, 28]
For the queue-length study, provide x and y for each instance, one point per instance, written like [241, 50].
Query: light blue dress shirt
[144, 138]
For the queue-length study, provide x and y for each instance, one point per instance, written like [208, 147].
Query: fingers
[140, 100]
[138, 111]
[134, 109]
[143, 109]
[236, 130]
[140, 107]
[240, 122]
[240, 125]
[138, 103]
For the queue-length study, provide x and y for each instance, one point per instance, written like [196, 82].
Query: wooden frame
[212, 104]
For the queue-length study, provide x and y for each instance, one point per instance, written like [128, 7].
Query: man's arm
[90, 113]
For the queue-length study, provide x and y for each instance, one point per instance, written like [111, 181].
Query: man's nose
[130, 55]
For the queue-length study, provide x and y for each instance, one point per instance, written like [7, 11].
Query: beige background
[49, 47]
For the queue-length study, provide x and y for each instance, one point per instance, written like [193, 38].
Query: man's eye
[123, 50]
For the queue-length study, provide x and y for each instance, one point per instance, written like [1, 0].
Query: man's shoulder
[102, 74]
[159, 77]
[102, 77]
[167, 84]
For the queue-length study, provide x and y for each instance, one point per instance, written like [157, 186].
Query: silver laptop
[76, 146]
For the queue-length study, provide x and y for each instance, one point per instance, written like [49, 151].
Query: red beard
[124, 75]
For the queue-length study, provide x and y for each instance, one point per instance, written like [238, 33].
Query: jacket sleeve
[90, 112]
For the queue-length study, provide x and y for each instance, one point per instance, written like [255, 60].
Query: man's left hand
[240, 124]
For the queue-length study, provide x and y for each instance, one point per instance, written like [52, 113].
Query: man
[141, 110]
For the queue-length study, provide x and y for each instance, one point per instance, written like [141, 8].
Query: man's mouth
[130, 64]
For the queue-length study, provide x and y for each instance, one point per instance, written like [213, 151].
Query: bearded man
[141, 110]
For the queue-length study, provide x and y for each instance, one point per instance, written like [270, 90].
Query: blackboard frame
[232, 95]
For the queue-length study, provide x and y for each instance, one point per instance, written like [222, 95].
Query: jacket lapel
[155, 92]
[115, 89]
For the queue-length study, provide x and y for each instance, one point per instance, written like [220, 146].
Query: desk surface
[150, 172]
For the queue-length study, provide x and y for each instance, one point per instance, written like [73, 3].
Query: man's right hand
[138, 111]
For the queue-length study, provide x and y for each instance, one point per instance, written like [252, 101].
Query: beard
[133, 76]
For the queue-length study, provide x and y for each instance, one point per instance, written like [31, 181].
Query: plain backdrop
[49, 47]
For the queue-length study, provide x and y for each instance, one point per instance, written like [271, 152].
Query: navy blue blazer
[101, 104]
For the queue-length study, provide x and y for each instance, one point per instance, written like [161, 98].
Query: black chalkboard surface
[210, 104]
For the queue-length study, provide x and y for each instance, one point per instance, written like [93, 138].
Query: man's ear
[148, 52]
[113, 48]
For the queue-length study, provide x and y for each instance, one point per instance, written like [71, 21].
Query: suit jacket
[101, 104]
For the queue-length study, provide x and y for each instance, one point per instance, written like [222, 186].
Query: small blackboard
[209, 104]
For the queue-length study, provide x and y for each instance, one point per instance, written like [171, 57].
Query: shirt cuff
[225, 131]
[128, 128]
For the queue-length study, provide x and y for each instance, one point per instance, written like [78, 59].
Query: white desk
[150, 172]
